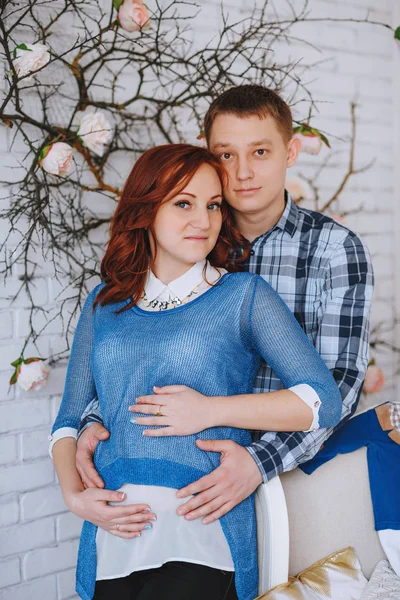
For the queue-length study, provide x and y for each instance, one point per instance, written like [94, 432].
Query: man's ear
[294, 148]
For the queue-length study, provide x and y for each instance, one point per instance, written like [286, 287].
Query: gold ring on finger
[159, 413]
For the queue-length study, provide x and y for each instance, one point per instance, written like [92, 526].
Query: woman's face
[187, 226]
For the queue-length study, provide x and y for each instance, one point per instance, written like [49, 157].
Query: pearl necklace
[171, 303]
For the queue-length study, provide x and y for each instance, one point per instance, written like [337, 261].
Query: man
[320, 269]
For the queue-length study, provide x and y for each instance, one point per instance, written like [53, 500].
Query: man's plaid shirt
[323, 272]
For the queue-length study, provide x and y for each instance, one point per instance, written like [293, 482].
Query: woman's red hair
[160, 174]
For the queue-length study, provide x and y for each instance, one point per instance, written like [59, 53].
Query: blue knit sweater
[214, 344]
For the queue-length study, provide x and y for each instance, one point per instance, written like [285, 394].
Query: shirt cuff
[306, 393]
[61, 433]
[86, 425]
[253, 454]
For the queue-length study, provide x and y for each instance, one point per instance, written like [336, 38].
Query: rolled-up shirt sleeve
[278, 338]
[60, 433]
[310, 397]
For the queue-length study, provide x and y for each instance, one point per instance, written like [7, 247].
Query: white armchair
[324, 512]
[272, 535]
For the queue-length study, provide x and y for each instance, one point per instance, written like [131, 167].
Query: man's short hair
[248, 100]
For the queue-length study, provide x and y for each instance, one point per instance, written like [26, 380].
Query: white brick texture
[66, 584]
[23, 537]
[68, 526]
[9, 510]
[45, 588]
[8, 449]
[34, 444]
[37, 504]
[25, 414]
[38, 537]
[26, 476]
[10, 572]
[50, 560]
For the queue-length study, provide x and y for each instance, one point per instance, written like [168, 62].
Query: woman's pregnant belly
[127, 442]
[171, 538]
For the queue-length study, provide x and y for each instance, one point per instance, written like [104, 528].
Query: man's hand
[183, 411]
[217, 493]
[127, 521]
[84, 455]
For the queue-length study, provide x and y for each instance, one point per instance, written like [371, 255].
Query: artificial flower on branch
[153, 87]
[56, 159]
[31, 374]
[28, 58]
[94, 131]
[133, 15]
[326, 205]
[374, 378]
[298, 188]
[311, 138]
[381, 343]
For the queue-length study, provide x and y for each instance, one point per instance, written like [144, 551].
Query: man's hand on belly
[217, 493]
[84, 454]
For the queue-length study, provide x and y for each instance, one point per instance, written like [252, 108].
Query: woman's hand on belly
[126, 521]
[180, 410]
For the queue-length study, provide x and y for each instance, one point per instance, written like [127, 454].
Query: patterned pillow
[338, 577]
[384, 583]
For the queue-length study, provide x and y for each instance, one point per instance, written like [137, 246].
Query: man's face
[256, 157]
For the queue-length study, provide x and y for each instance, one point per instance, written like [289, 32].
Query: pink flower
[374, 380]
[310, 143]
[94, 130]
[133, 15]
[29, 58]
[31, 374]
[298, 188]
[57, 159]
[311, 138]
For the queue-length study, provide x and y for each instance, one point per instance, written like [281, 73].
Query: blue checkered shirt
[324, 274]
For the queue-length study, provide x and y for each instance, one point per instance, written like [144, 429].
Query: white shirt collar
[183, 285]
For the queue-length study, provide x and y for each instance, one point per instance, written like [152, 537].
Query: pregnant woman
[172, 229]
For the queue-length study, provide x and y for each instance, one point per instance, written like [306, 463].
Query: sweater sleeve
[279, 340]
[79, 387]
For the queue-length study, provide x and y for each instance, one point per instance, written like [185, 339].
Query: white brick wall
[38, 538]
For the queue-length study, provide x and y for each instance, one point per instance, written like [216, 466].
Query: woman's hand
[183, 411]
[127, 521]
